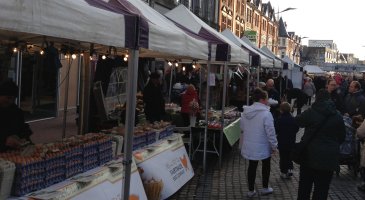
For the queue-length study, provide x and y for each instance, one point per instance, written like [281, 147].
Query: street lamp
[286, 9]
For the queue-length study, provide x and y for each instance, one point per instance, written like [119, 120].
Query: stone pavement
[230, 182]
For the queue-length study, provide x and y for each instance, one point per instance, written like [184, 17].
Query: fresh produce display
[42, 165]
[215, 121]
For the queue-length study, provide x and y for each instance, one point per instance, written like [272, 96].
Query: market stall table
[100, 183]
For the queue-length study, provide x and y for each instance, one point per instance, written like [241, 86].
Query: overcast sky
[340, 21]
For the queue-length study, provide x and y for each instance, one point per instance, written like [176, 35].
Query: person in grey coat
[326, 125]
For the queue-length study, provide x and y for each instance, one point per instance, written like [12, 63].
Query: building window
[243, 8]
[257, 20]
[224, 22]
[282, 42]
[264, 25]
[249, 15]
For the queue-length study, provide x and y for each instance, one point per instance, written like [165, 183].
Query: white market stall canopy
[278, 62]
[313, 69]
[221, 47]
[65, 19]
[158, 36]
[289, 61]
[265, 60]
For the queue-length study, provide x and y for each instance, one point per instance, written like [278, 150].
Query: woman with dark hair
[259, 140]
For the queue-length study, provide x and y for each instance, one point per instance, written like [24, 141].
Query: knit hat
[8, 88]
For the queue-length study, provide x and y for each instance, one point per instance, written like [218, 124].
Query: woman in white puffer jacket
[259, 140]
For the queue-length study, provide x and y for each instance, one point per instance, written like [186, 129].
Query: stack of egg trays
[91, 155]
[7, 171]
[54, 168]
[29, 177]
[169, 130]
[139, 141]
[151, 137]
[73, 161]
[105, 148]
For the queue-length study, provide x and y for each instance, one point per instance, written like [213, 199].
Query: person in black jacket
[326, 125]
[153, 99]
[13, 130]
[355, 100]
[336, 96]
[286, 130]
[273, 94]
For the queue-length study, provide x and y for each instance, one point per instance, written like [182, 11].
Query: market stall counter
[103, 182]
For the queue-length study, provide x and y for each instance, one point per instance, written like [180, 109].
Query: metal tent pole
[66, 98]
[225, 70]
[130, 119]
[170, 88]
[206, 117]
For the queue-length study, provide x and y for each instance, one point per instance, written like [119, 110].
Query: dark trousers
[321, 180]
[309, 100]
[251, 173]
[285, 161]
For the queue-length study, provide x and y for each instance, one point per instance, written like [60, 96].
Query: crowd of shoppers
[324, 131]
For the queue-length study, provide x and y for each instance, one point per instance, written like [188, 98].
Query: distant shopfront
[252, 36]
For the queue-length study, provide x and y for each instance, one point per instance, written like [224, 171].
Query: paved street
[230, 182]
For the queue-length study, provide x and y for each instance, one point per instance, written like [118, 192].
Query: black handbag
[297, 154]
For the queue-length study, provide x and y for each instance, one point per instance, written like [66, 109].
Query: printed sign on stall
[166, 172]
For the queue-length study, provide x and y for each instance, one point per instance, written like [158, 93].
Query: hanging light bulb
[176, 64]
[41, 52]
[15, 49]
[194, 66]
[91, 58]
[66, 56]
[169, 63]
[125, 58]
[81, 54]
[103, 57]
[183, 69]
[73, 56]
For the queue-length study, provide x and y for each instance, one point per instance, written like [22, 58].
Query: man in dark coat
[355, 100]
[325, 124]
[153, 99]
[336, 96]
[13, 131]
[273, 94]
